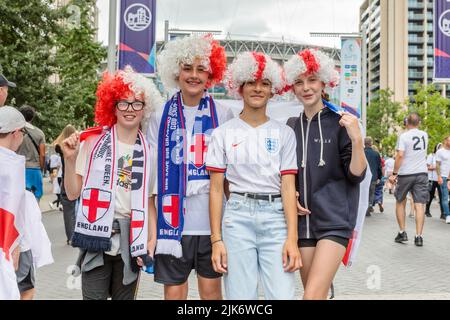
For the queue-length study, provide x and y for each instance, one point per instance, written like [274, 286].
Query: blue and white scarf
[179, 165]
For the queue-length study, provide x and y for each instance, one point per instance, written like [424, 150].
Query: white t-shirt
[55, 160]
[389, 167]
[443, 155]
[196, 218]
[414, 143]
[431, 161]
[253, 158]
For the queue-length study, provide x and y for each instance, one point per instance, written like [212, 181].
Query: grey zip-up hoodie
[326, 185]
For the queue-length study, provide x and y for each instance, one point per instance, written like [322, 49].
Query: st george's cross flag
[12, 202]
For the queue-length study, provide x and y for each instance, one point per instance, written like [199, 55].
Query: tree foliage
[51, 54]
[382, 120]
[385, 117]
[434, 109]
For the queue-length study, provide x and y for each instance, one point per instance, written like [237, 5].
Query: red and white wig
[311, 62]
[253, 66]
[185, 50]
[120, 86]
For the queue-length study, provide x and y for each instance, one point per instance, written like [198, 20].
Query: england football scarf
[96, 210]
[181, 169]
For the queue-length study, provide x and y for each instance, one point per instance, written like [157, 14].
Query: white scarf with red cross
[95, 214]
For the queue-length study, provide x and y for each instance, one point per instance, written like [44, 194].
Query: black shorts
[197, 252]
[25, 273]
[310, 243]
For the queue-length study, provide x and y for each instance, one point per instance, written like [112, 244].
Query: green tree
[434, 109]
[79, 59]
[51, 54]
[27, 35]
[382, 120]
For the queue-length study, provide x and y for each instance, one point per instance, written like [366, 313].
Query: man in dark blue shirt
[374, 160]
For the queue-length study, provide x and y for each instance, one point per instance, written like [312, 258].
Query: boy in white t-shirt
[258, 233]
[443, 172]
[180, 133]
[433, 182]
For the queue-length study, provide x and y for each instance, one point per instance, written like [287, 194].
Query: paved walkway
[384, 269]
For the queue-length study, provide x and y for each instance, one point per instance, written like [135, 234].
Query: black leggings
[58, 195]
[433, 185]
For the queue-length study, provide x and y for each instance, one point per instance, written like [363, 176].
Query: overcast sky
[254, 19]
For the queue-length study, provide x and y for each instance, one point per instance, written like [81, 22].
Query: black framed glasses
[123, 105]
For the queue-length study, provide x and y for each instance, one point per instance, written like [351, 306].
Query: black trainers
[401, 237]
[418, 241]
[428, 214]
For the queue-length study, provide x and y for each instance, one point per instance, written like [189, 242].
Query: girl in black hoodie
[332, 163]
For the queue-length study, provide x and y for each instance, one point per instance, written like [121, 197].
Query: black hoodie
[331, 190]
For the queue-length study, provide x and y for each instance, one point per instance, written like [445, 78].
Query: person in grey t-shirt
[33, 148]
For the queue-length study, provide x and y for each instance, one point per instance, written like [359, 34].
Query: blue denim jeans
[444, 199]
[254, 233]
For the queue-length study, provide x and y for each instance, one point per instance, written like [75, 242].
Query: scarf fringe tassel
[91, 243]
[170, 247]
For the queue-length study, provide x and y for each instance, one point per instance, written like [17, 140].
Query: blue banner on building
[441, 41]
[137, 46]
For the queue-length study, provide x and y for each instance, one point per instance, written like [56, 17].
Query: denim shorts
[254, 233]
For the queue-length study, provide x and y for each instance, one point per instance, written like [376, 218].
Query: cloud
[268, 19]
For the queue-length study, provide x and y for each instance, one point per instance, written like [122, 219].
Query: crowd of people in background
[411, 176]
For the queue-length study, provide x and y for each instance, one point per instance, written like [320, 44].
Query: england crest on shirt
[272, 145]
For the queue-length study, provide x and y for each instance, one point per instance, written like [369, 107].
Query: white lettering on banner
[139, 19]
[444, 23]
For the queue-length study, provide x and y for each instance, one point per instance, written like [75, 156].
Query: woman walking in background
[68, 205]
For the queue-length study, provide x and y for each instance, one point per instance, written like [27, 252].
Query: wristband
[216, 241]
[215, 237]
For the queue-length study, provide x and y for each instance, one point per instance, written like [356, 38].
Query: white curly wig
[141, 85]
[252, 66]
[309, 62]
[185, 50]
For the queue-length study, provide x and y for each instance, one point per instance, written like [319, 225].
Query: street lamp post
[112, 36]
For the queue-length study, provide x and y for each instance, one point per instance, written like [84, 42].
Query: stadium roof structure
[279, 51]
